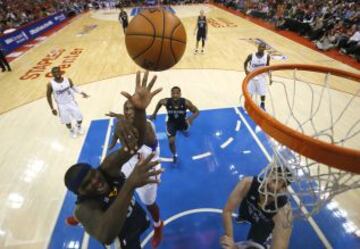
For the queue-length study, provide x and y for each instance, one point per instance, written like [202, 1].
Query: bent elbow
[106, 239]
[105, 236]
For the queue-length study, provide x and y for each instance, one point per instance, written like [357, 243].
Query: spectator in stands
[327, 23]
[327, 41]
[316, 29]
[352, 45]
[16, 13]
[345, 35]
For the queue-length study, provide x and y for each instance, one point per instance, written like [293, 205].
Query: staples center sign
[44, 66]
[221, 22]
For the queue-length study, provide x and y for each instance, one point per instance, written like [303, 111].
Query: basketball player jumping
[123, 18]
[257, 85]
[105, 205]
[63, 91]
[147, 193]
[271, 221]
[176, 107]
[201, 30]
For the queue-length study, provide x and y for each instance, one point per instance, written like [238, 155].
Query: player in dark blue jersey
[105, 205]
[268, 214]
[123, 18]
[3, 62]
[201, 31]
[176, 107]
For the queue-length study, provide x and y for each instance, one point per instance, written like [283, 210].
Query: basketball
[155, 39]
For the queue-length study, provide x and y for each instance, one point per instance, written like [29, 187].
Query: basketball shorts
[125, 24]
[69, 111]
[201, 35]
[147, 193]
[257, 86]
[172, 127]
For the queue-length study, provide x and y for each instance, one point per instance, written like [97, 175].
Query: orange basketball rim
[333, 155]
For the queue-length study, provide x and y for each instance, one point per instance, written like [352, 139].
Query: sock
[157, 224]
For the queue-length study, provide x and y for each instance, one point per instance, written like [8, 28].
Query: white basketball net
[319, 111]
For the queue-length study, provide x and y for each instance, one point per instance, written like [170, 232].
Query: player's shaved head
[175, 92]
[56, 72]
[261, 47]
[175, 88]
[55, 69]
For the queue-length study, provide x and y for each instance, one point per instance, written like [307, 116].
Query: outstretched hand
[143, 95]
[110, 114]
[127, 135]
[115, 115]
[143, 172]
[227, 243]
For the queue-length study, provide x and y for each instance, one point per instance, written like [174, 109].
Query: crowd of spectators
[330, 24]
[16, 13]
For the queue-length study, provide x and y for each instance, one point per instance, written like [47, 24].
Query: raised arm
[49, 99]
[105, 226]
[161, 103]
[283, 228]
[115, 115]
[127, 134]
[115, 135]
[113, 141]
[193, 109]
[140, 99]
[234, 200]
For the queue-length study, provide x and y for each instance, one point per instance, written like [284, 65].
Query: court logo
[87, 29]
[221, 22]
[273, 52]
[45, 64]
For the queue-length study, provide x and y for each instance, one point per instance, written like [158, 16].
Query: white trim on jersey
[147, 193]
[62, 92]
[65, 100]
[257, 62]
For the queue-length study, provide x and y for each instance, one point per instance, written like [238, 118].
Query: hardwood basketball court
[36, 150]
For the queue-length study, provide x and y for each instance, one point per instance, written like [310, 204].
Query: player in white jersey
[63, 90]
[125, 132]
[257, 85]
